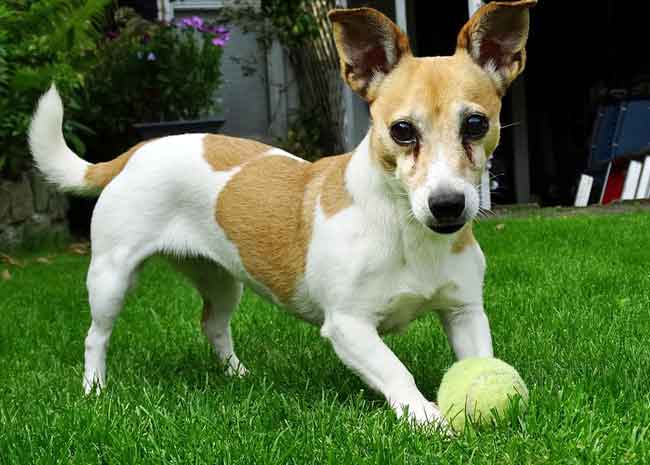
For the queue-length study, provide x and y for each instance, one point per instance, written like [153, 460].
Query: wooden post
[277, 82]
[165, 11]
[356, 117]
[484, 191]
[473, 5]
[521, 157]
[400, 15]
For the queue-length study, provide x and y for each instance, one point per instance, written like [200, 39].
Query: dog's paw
[425, 414]
[92, 384]
[436, 420]
[238, 371]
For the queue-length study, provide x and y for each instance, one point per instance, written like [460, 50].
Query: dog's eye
[404, 133]
[475, 126]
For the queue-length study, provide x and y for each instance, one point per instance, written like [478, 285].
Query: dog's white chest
[409, 293]
[400, 310]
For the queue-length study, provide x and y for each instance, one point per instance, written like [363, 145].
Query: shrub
[42, 41]
[153, 71]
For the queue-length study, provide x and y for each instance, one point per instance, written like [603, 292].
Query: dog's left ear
[370, 45]
[495, 37]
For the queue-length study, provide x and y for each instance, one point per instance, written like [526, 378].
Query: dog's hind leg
[221, 293]
[109, 278]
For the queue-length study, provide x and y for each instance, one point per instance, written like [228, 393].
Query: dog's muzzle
[448, 210]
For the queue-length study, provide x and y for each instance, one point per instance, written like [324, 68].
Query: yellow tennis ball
[474, 388]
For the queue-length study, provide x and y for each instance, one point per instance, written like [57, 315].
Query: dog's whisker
[516, 123]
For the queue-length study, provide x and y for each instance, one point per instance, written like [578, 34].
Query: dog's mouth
[446, 228]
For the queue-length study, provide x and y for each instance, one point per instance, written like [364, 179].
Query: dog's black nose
[447, 207]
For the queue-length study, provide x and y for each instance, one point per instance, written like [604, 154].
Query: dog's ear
[370, 45]
[495, 37]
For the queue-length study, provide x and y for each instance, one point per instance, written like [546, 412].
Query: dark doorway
[578, 56]
[436, 32]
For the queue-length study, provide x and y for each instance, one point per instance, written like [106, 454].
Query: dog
[359, 244]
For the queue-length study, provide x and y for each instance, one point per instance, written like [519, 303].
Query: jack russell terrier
[359, 244]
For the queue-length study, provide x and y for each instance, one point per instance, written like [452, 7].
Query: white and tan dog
[358, 244]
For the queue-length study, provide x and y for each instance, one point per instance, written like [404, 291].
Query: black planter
[170, 128]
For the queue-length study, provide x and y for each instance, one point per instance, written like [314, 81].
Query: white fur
[54, 159]
[162, 202]
[441, 177]
[370, 268]
[284, 153]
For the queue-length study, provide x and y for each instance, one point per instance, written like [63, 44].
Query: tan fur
[224, 153]
[267, 211]
[432, 101]
[99, 175]
[267, 208]
[433, 93]
[357, 33]
[334, 196]
[464, 239]
[491, 19]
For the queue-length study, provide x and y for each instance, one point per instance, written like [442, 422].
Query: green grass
[569, 303]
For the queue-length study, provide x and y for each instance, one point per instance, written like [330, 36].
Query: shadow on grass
[200, 372]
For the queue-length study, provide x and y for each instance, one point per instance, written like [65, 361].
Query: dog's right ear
[495, 37]
[370, 45]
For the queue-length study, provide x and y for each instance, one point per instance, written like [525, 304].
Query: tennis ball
[474, 388]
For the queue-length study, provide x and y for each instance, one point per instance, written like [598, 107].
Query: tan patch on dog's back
[224, 153]
[465, 239]
[100, 174]
[334, 196]
[267, 211]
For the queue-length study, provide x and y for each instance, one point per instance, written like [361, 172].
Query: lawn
[569, 303]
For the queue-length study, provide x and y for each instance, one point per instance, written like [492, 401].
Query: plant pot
[170, 128]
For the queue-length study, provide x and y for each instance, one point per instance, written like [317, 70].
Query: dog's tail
[58, 163]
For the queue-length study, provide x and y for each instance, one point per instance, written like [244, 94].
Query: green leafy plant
[153, 71]
[305, 136]
[42, 41]
[289, 21]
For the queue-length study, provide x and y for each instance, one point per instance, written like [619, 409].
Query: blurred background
[130, 70]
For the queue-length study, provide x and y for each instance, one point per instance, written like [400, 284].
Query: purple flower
[151, 56]
[146, 38]
[216, 30]
[191, 22]
[219, 41]
[112, 35]
[196, 22]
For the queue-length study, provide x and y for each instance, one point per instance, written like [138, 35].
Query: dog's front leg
[468, 331]
[359, 346]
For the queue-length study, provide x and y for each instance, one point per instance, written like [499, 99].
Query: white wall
[256, 105]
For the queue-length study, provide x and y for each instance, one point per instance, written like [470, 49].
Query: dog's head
[435, 120]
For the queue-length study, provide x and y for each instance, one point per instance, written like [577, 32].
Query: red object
[615, 181]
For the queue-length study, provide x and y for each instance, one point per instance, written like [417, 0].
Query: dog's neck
[386, 205]
[375, 190]
[365, 179]
[382, 197]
